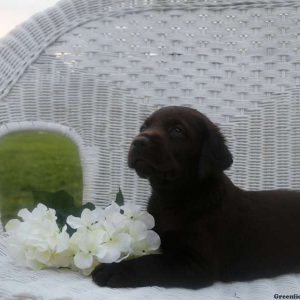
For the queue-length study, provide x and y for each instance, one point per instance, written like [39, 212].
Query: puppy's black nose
[140, 142]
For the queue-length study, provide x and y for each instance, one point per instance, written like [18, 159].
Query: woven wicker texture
[92, 114]
[93, 70]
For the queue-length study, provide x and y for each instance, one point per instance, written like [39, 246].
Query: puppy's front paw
[114, 275]
[147, 270]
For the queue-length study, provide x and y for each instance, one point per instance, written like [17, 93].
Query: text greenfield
[279, 296]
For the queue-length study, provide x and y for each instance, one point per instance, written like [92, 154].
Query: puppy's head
[178, 143]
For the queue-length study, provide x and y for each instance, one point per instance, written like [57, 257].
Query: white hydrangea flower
[37, 241]
[144, 241]
[102, 236]
[98, 241]
[112, 215]
[149, 244]
[115, 244]
[84, 244]
[88, 218]
[137, 230]
[133, 213]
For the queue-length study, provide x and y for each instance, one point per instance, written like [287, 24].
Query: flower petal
[62, 242]
[35, 265]
[74, 222]
[88, 217]
[130, 208]
[98, 216]
[147, 219]
[111, 209]
[108, 255]
[43, 257]
[61, 260]
[123, 242]
[137, 230]
[40, 209]
[24, 213]
[153, 240]
[12, 225]
[83, 260]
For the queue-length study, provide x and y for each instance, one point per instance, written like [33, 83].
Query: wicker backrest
[93, 70]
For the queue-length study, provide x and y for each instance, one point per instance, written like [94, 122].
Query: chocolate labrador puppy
[210, 229]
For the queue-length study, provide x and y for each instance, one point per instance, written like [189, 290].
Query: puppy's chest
[173, 219]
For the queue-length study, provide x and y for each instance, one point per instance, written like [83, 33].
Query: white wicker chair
[93, 69]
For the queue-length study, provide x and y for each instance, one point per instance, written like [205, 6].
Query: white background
[14, 12]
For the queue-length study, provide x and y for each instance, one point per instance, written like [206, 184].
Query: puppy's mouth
[142, 167]
[146, 169]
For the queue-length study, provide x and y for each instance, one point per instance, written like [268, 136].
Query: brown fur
[210, 229]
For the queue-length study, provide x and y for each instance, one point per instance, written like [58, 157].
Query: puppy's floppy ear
[215, 156]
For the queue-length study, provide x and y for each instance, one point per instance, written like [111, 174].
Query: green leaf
[56, 200]
[120, 198]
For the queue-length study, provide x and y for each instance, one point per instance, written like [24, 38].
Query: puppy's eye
[143, 127]
[176, 131]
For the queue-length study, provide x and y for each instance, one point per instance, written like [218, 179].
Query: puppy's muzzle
[140, 143]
